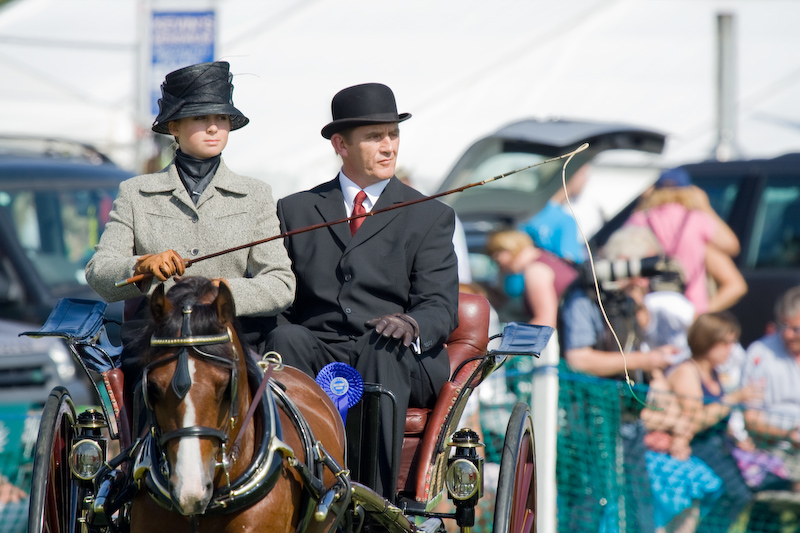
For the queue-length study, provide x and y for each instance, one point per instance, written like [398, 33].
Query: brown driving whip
[190, 262]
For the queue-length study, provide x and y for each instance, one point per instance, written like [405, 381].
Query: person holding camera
[587, 343]
[588, 346]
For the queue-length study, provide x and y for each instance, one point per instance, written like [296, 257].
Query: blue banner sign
[179, 39]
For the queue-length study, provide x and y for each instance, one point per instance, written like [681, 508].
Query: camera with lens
[664, 274]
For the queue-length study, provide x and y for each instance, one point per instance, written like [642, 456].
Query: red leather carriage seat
[423, 426]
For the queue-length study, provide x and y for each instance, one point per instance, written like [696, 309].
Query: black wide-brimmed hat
[361, 105]
[203, 89]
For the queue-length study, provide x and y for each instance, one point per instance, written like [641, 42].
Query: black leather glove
[396, 326]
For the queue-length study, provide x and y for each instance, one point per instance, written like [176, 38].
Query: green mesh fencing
[610, 479]
[19, 425]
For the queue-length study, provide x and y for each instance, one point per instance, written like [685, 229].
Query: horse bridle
[181, 380]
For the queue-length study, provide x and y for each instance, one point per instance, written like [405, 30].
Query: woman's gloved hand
[163, 266]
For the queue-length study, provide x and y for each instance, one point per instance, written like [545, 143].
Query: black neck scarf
[195, 173]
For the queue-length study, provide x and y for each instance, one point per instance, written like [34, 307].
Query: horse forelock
[200, 294]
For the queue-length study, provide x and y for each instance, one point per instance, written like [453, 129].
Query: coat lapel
[166, 181]
[331, 207]
[225, 180]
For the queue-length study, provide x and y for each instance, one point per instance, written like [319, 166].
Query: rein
[236, 448]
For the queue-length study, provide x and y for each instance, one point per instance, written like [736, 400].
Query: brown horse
[205, 470]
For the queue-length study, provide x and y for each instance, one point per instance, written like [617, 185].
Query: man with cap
[193, 207]
[382, 293]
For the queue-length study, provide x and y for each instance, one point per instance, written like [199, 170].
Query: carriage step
[431, 525]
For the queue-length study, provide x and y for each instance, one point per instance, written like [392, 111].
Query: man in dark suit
[382, 295]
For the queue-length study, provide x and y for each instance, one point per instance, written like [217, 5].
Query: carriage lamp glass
[462, 479]
[85, 459]
[464, 476]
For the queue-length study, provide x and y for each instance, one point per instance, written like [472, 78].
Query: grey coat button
[194, 251]
[347, 310]
[348, 277]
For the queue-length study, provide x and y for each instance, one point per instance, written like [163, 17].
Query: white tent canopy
[461, 68]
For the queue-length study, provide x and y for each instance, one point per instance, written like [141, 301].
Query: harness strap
[193, 431]
[236, 448]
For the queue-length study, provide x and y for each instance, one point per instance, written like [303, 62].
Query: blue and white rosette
[343, 384]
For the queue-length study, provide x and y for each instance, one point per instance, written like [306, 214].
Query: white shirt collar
[350, 190]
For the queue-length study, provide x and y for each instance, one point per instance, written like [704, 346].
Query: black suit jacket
[400, 261]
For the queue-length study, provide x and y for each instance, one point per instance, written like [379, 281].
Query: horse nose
[191, 502]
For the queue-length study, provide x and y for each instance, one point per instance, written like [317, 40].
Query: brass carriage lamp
[464, 476]
[89, 446]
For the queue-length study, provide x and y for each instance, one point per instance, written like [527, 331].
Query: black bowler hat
[361, 105]
[203, 89]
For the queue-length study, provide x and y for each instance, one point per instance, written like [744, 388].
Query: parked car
[30, 368]
[760, 200]
[55, 197]
[511, 200]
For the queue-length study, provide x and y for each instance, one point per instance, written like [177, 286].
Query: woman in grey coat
[194, 207]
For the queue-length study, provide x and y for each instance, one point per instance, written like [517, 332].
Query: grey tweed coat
[153, 213]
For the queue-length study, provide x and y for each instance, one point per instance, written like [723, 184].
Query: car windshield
[58, 229]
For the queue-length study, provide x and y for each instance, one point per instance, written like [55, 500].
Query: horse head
[190, 385]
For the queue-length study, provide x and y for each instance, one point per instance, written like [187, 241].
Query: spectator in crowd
[554, 228]
[689, 229]
[684, 487]
[586, 342]
[543, 276]
[774, 362]
[13, 507]
[702, 429]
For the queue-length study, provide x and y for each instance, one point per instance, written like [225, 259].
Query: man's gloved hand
[396, 326]
[163, 266]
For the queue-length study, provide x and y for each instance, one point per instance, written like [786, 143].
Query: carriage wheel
[515, 507]
[54, 492]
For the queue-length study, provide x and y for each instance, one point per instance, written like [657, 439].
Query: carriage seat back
[464, 347]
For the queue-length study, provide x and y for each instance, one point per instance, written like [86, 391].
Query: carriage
[92, 470]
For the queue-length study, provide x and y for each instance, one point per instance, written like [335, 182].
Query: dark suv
[55, 197]
[760, 200]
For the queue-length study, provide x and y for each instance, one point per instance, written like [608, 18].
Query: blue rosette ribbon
[343, 384]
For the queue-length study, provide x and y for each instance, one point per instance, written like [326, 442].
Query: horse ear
[159, 305]
[226, 310]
